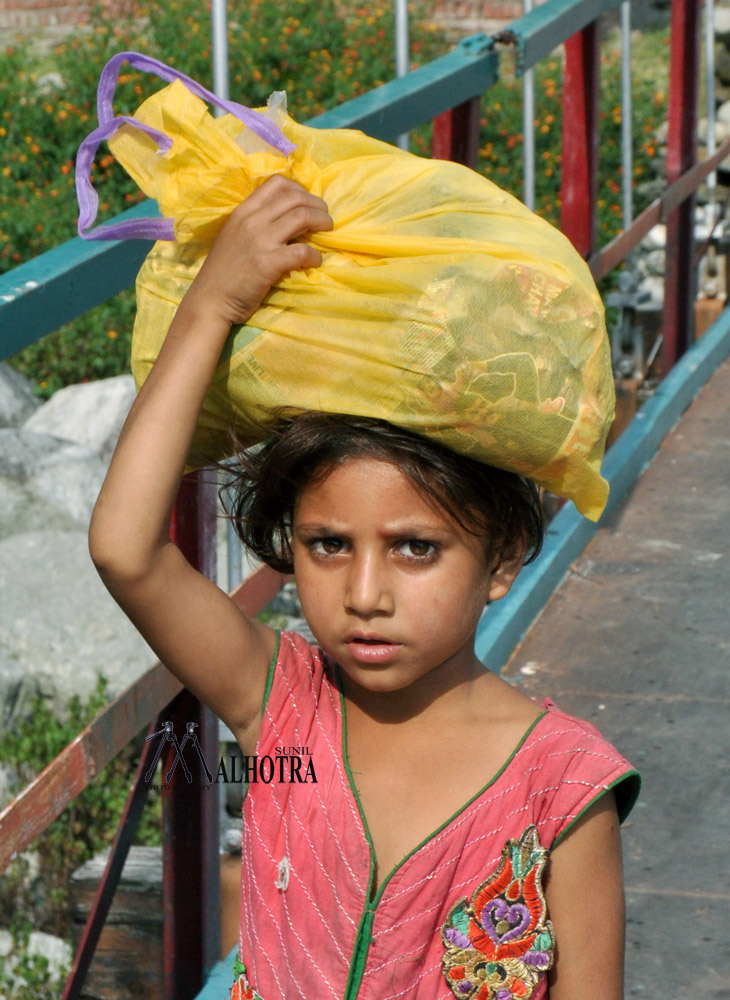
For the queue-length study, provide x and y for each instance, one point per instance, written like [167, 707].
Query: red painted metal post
[456, 134]
[190, 855]
[579, 186]
[126, 830]
[684, 76]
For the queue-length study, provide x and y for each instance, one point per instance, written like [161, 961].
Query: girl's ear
[503, 576]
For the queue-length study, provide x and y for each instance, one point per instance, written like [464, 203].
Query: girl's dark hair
[304, 447]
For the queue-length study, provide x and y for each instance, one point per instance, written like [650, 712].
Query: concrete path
[637, 639]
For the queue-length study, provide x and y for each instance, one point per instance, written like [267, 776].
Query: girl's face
[391, 586]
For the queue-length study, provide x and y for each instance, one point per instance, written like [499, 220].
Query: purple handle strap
[147, 228]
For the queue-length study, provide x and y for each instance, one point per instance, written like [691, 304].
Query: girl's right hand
[259, 243]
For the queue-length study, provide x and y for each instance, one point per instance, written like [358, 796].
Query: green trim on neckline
[459, 811]
[272, 667]
[372, 904]
[362, 937]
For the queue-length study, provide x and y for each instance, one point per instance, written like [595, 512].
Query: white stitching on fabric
[311, 899]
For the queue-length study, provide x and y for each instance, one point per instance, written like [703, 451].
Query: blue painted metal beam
[400, 105]
[505, 623]
[219, 982]
[536, 34]
[44, 293]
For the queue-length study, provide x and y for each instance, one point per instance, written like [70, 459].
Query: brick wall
[26, 15]
[479, 10]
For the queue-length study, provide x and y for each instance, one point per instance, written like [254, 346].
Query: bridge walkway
[637, 640]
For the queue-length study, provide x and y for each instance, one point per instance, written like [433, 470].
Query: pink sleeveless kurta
[462, 916]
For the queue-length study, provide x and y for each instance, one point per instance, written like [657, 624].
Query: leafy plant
[502, 129]
[26, 975]
[321, 52]
[86, 827]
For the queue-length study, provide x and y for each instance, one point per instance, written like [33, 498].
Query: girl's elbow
[115, 562]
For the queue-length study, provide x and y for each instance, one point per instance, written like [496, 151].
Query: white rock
[8, 785]
[46, 482]
[661, 133]
[53, 948]
[656, 238]
[722, 20]
[723, 113]
[58, 625]
[655, 262]
[91, 413]
[722, 130]
[655, 286]
[17, 401]
[18, 686]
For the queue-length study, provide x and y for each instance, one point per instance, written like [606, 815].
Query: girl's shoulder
[578, 762]
[557, 761]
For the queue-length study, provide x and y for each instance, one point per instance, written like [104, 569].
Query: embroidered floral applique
[499, 942]
[241, 989]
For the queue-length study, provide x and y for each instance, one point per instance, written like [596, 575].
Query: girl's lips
[373, 651]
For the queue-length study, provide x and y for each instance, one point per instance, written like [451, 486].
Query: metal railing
[37, 297]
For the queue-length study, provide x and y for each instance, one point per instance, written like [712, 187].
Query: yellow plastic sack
[443, 305]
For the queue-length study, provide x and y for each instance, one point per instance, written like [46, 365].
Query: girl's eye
[418, 548]
[325, 546]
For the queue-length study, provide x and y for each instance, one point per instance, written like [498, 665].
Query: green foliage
[27, 976]
[321, 53]
[86, 827]
[502, 130]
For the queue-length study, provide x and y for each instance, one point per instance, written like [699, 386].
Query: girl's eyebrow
[316, 528]
[397, 529]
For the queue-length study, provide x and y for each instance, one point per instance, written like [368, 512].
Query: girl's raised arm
[195, 629]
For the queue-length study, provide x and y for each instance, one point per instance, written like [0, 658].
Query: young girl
[460, 841]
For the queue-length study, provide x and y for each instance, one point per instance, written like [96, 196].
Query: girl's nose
[368, 591]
